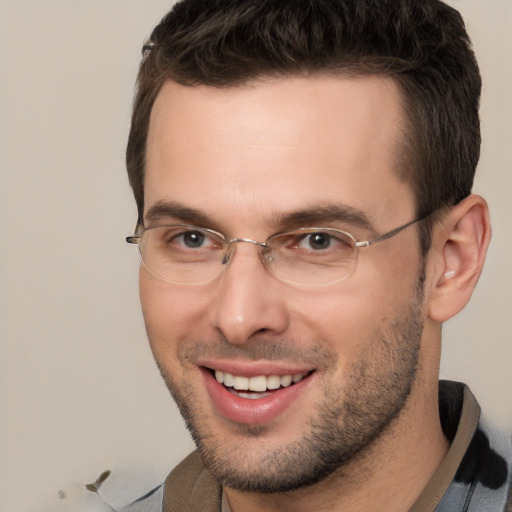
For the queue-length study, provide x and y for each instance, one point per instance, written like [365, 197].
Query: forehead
[277, 145]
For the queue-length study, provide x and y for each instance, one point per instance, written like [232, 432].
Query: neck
[389, 475]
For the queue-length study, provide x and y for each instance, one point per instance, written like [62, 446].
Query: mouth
[257, 387]
[258, 397]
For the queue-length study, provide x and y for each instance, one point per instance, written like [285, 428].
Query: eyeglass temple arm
[137, 236]
[387, 235]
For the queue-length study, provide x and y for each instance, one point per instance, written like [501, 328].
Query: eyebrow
[324, 214]
[316, 215]
[171, 209]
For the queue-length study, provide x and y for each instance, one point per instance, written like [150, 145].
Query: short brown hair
[421, 44]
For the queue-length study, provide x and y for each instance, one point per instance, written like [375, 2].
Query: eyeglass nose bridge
[229, 244]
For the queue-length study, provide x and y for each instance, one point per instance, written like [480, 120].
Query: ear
[459, 246]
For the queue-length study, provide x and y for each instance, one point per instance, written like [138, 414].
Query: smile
[257, 398]
[259, 385]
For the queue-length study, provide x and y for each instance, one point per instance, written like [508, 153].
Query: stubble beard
[375, 392]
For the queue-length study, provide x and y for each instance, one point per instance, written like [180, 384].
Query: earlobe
[460, 245]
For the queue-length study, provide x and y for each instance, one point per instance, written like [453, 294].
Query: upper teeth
[259, 383]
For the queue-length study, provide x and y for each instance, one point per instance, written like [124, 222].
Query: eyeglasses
[314, 256]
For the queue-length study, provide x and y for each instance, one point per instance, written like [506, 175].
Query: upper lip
[247, 368]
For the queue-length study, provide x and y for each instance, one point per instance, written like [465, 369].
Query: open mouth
[256, 395]
[256, 387]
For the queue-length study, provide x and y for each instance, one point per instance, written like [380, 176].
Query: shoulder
[189, 487]
[476, 472]
[150, 502]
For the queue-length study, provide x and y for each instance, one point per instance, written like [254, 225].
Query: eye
[315, 241]
[191, 239]
[184, 239]
[327, 243]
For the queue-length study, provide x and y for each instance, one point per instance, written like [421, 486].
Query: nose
[249, 299]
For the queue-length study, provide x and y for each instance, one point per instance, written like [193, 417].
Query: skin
[244, 158]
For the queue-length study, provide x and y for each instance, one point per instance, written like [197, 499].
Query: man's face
[244, 161]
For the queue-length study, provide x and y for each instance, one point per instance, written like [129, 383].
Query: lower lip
[252, 411]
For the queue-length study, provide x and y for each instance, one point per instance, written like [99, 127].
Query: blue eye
[193, 239]
[328, 243]
[318, 241]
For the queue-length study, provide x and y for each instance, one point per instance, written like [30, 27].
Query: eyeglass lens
[188, 254]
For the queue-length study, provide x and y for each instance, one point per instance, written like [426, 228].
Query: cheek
[348, 317]
[171, 314]
[345, 323]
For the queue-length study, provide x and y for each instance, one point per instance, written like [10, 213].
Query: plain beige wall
[78, 387]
